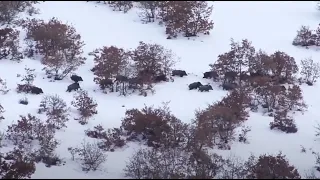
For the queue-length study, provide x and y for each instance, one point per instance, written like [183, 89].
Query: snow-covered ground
[270, 26]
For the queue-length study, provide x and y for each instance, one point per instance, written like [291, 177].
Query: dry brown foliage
[9, 44]
[283, 66]
[109, 63]
[16, 164]
[132, 70]
[58, 44]
[188, 17]
[153, 59]
[215, 125]
[157, 126]
[10, 10]
[272, 167]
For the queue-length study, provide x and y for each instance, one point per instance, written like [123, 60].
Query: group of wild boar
[226, 85]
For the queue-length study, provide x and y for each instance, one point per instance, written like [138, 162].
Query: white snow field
[270, 26]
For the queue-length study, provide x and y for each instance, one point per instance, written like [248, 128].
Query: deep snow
[270, 26]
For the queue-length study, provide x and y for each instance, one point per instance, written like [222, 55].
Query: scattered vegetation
[58, 44]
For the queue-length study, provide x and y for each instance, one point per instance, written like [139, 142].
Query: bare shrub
[243, 135]
[148, 10]
[305, 37]
[153, 164]
[273, 167]
[58, 44]
[29, 77]
[111, 138]
[283, 122]
[124, 6]
[10, 9]
[173, 163]
[22, 132]
[24, 88]
[310, 70]
[26, 130]
[156, 126]
[317, 160]
[303, 149]
[45, 153]
[1, 113]
[187, 17]
[85, 105]
[2, 138]
[9, 43]
[3, 87]
[317, 127]
[293, 99]
[16, 164]
[56, 111]
[90, 155]
[267, 94]
[234, 168]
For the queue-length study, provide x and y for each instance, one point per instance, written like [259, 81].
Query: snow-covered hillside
[270, 26]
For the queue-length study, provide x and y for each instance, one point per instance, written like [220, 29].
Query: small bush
[29, 77]
[111, 138]
[310, 70]
[149, 10]
[243, 135]
[1, 112]
[90, 155]
[28, 129]
[85, 105]
[155, 126]
[123, 6]
[305, 37]
[173, 164]
[9, 44]
[56, 111]
[273, 167]
[3, 87]
[283, 122]
[16, 164]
